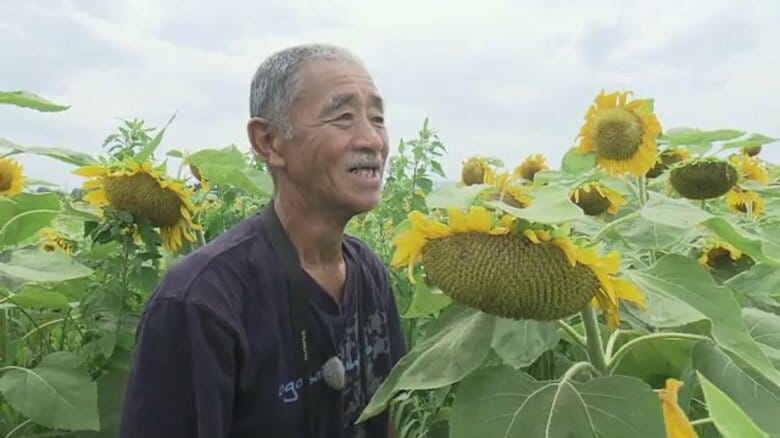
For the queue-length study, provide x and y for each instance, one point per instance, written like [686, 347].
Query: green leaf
[58, 393]
[752, 392]
[175, 153]
[150, 147]
[748, 243]
[576, 162]
[37, 295]
[753, 140]
[502, 402]
[665, 311]
[695, 136]
[453, 195]
[25, 214]
[646, 234]
[683, 278]
[111, 388]
[34, 265]
[229, 167]
[654, 360]
[730, 420]
[765, 329]
[459, 344]
[520, 343]
[677, 213]
[65, 155]
[551, 205]
[26, 99]
[427, 300]
[760, 283]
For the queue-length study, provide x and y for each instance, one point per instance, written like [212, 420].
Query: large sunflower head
[718, 253]
[703, 178]
[11, 178]
[493, 266]
[503, 187]
[594, 198]
[667, 158]
[530, 166]
[474, 170]
[750, 168]
[146, 193]
[743, 200]
[622, 133]
[53, 240]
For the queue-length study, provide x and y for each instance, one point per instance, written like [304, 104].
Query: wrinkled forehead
[331, 84]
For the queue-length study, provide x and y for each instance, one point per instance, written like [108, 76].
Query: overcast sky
[501, 78]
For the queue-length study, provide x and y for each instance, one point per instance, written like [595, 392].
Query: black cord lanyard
[298, 310]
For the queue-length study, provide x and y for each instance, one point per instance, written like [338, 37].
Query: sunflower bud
[703, 178]
[751, 151]
[473, 172]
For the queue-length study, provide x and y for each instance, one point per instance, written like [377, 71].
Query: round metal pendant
[334, 374]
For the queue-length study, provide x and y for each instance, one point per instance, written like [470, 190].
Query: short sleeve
[181, 380]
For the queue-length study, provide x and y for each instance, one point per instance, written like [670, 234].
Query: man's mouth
[365, 171]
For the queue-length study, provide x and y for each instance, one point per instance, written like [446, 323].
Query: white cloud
[500, 78]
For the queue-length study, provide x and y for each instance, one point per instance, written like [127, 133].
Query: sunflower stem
[593, 339]
[614, 361]
[642, 183]
[579, 339]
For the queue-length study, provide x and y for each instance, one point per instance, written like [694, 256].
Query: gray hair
[276, 84]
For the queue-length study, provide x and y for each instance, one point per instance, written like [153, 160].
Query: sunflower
[143, 191]
[11, 178]
[473, 171]
[703, 178]
[503, 188]
[204, 183]
[717, 252]
[51, 240]
[595, 198]
[491, 265]
[675, 420]
[621, 133]
[667, 158]
[741, 200]
[750, 168]
[530, 166]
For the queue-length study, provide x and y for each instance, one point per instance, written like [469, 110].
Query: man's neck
[316, 234]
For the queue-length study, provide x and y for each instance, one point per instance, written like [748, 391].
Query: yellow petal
[628, 291]
[531, 236]
[91, 170]
[458, 221]
[675, 420]
[479, 219]
[97, 197]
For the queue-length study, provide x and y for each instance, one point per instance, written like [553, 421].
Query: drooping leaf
[34, 265]
[58, 393]
[551, 205]
[427, 300]
[752, 140]
[27, 99]
[730, 420]
[577, 163]
[683, 278]
[754, 393]
[503, 402]
[460, 342]
[62, 154]
[451, 194]
[34, 295]
[520, 343]
[747, 242]
[665, 311]
[25, 214]
[765, 329]
[228, 166]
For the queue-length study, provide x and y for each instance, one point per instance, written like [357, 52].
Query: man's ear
[265, 141]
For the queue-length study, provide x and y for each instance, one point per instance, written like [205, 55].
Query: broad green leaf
[229, 167]
[753, 140]
[730, 420]
[665, 311]
[755, 394]
[647, 234]
[27, 99]
[654, 360]
[747, 242]
[695, 136]
[25, 214]
[34, 265]
[502, 402]
[37, 295]
[65, 155]
[677, 213]
[150, 147]
[460, 342]
[765, 329]
[578, 163]
[450, 194]
[551, 205]
[683, 278]
[427, 300]
[111, 388]
[760, 283]
[57, 393]
[520, 343]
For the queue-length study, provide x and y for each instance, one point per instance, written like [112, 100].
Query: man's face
[336, 156]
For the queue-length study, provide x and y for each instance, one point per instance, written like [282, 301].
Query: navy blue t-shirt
[214, 354]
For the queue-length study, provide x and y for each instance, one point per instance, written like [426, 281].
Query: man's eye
[344, 117]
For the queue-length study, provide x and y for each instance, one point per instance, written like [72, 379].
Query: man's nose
[367, 135]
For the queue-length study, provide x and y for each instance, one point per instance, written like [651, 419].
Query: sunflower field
[631, 291]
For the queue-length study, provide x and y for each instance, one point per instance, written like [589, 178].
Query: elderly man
[282, 326]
